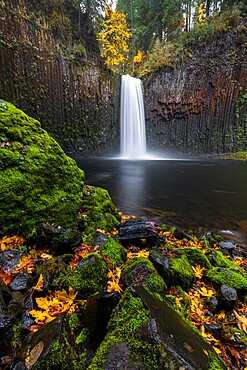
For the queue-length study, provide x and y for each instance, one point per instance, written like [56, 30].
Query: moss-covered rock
[228, 277]
[98, 211]
[88, 278]
[176, 271]
[114, 251]
[195, 257]
[38, 182]
[141, 271]
[124, 345]
[218, 259]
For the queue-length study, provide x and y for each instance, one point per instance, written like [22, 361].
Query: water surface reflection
[194, 194]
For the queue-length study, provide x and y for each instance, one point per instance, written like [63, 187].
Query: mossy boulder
[195, 257]
[88, 278]
[125, 344]
[227, 276]
[176, 271]
[114, 251]
[140, 271]
[39, 182]
[218, 259]
[98, 211]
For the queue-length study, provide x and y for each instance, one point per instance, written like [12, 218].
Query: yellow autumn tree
[113, 38]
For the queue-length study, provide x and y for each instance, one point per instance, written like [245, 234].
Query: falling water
[132, 119]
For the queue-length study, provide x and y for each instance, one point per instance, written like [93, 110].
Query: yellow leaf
[206, 292]
[217, 350]
[242, 320]
[26, 263]
[40, 284]
[221, 315]
[112, 286]
[141, 253]
[198, 271]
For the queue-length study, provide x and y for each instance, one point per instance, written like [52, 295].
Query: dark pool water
[195, 194]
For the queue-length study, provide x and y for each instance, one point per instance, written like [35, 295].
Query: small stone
[22, 281]
[225, 244]
[230, 294]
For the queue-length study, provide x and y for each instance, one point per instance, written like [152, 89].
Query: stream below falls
[198, 195]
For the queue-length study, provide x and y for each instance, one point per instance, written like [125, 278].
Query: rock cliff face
[64, 87]
[56, 77]
[200, 107]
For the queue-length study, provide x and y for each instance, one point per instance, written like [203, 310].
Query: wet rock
[56, 238]
[38, 345]
[225, 244]
[10, 259]
[214, 329]
[137, 229]
[230, 294]
[22, 281]
[118, 357]
[142, 324]
[98, 239]
[185, 346]
[89, 276]
[98, 311]
[227, 276]
[140, 271]
[11, 305]
[173, 267]
[212, 304]
[51, 270]
[29, 304]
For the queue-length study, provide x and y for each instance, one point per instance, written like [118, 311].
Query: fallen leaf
[34, 355]
[40, 284]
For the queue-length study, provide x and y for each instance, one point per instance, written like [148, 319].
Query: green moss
[128, 319]
[156, 283]
[82, 337]
[195, 257]
[63, 356]
[38, 182]
[218, 259]
[98, 211]
[88, 278]
[113, 250]
[215, 362]
[238, 156]
[16, 335]
[228, 277]
[179, 272]
[149, 278]
[74, 321]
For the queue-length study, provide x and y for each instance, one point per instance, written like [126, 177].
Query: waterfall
[132, 119]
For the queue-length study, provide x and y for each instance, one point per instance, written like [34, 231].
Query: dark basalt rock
[10, 259]
[29, 304]
[11, 305]
[214, 329]
[230, 294]
[186, 348]
[137, 229]
[22, 281]
[98, 311]
[56, 238]
[98, 239]
[138, 275]
[225, 244]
